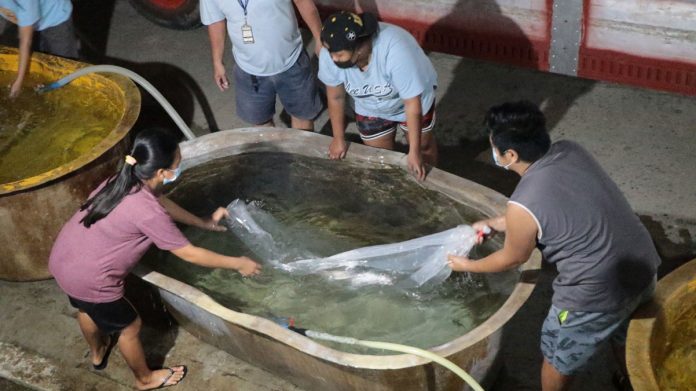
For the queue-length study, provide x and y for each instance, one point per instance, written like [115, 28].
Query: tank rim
[645, 323]
[296, 141]
[131, 98]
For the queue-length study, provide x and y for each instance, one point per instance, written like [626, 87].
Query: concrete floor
[644, 139]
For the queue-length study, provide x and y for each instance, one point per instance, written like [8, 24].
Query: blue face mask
[497, 162]
[176, 175]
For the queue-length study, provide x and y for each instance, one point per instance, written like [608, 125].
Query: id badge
[247, 34]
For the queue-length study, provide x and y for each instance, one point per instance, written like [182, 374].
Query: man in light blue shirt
[51, 19]
[269, 57]
[391, 80]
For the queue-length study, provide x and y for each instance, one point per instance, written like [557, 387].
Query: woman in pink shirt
[102, 242]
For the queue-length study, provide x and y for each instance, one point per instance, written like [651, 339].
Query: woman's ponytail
[153, 149]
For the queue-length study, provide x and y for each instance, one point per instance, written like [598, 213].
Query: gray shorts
[296, 88]
[59, 40]
[569, 339]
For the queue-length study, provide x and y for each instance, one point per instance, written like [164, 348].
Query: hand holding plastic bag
[409, 264]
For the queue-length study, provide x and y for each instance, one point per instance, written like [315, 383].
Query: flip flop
[105, 359]
[171, 373]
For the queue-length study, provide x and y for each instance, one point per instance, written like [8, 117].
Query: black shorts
[110, 317]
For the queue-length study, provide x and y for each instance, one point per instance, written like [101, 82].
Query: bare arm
[336, 99]
[216, 34]
[181, 215]
[310, 15]
[495, 223]
[202, 257]
[414, 119]
[26, 34]
[199, 255]
[520, 241]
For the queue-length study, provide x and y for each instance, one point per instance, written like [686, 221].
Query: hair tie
[131, 160]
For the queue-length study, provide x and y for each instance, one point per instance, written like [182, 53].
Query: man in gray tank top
[568, 207]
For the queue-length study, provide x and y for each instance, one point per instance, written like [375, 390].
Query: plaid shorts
[569, 339]
[371, 128]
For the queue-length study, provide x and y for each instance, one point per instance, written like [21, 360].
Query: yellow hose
[402, 349]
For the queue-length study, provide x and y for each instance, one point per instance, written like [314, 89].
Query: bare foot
[165, 377]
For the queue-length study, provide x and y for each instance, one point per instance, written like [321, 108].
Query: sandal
[105, 360]
[164, 384]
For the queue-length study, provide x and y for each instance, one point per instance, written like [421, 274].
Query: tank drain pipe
[392, 347]
[133, 76]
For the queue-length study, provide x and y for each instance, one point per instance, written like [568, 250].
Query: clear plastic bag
[409, 264]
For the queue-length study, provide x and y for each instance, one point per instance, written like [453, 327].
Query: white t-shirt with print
[398, 70]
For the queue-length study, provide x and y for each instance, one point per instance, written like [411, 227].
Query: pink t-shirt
[90, 264]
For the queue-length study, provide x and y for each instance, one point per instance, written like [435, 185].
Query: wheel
[176, 14]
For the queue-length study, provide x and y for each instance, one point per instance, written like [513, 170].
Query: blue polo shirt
[42, 14]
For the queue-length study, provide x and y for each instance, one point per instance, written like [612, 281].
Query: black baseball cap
[343, 30]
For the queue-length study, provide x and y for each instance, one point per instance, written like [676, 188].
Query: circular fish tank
[54, 149]
[661, 344]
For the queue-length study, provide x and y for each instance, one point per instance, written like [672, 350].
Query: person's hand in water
[248, 268]
[212, 222]
[15, 88]
[458, 263]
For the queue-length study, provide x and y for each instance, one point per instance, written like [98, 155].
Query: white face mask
[176, 175]
[497, 162]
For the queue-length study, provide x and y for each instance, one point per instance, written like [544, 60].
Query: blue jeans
[297, 89]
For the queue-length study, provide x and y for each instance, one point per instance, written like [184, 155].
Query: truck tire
[176, 14]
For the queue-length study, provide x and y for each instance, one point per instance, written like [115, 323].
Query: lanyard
[244, 4]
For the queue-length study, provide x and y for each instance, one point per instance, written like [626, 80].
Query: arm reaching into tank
[203, 257]
[336, 99]
[414, 117]
[181, 215]
[520, 241]
[26, 34]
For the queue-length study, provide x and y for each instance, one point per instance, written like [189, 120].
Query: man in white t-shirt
[391, 80]
[269, 57]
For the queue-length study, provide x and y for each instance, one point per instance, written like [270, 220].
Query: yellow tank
[661, 345]
[54, 149]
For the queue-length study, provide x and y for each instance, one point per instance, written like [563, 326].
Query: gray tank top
[603, 253]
